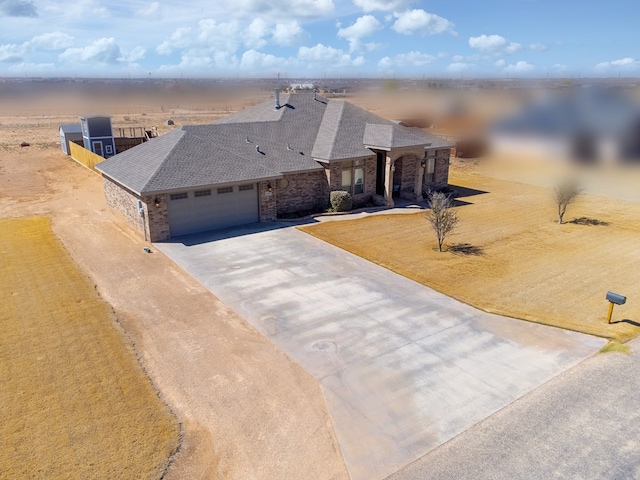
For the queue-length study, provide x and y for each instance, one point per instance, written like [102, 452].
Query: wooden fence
[84, 156]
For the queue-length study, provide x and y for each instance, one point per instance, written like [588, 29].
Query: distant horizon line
[318, 79]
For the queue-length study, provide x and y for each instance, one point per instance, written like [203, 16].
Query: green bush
[341, 201]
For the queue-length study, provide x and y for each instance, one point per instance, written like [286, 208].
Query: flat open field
[74, 401]
[519, 262]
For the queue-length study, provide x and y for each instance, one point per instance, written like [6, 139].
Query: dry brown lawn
[514, 259]
[74, 401]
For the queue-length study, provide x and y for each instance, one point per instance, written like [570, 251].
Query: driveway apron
[403, 368]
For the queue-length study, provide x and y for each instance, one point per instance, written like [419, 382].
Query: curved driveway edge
[402, 367]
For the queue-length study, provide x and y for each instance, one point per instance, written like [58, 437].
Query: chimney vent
[278, 106]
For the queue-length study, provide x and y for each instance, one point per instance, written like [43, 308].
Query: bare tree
[566, 193]
[442, 217]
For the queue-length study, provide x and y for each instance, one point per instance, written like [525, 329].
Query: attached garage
[212, 208]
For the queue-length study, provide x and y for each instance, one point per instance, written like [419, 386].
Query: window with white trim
[225, 190]
[353, 177]
[430, 168]
[179, 196]
[202, 193]
[244, 188]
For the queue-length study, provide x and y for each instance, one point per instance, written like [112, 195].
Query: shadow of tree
[588, 221]
[626, 320]
[466, 249]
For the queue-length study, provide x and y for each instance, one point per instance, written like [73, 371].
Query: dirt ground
[247, 411]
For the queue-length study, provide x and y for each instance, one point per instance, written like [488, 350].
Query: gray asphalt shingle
[260, 142]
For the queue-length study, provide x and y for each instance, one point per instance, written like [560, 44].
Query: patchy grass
[617, 347]
[509, 256]
[74, 401]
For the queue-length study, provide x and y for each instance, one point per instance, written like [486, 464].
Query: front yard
[74, 401]
[510, 256]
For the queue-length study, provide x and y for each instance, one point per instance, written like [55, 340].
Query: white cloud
[288, 34]
[178, 39]
[104, 51]
[457, 58]
[411, 59]
[210, 37]
[51, 41]
[500, 63]
[418, 20]
[327, 57]
[538, 47]
[561, 67]
[626, 63]
[253, 60]
[458, 66]
[383, 5]
[494, 44]
[519, 67]
[254, 34]
[152, 12]
[133, 55]
[364, 26]
[11, 53]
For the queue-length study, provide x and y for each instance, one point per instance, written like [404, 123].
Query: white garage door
[212, 209]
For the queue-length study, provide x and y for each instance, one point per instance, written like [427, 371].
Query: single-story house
[70, 132]
[282, 156]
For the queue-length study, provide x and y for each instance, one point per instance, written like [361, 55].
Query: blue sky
[318, 38]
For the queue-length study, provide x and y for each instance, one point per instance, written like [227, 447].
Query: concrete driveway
[402, 367]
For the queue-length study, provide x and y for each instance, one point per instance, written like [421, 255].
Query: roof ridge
[334, 123]
[153, 176]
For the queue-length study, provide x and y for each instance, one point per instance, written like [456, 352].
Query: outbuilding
[70, 132]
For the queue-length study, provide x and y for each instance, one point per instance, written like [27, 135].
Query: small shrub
[341, 201]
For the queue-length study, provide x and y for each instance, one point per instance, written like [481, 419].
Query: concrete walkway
[403, 368]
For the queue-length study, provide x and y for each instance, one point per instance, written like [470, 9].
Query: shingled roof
[259, 143]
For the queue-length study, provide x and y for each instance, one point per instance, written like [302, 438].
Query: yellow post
[610, 312]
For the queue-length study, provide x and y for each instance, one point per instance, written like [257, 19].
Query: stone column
[388, 181]
[268, 205]
[417, 189]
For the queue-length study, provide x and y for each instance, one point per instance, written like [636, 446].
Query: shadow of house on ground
[465, 191]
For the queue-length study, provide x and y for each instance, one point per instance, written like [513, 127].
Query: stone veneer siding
[303, 191]
[268, 200]
[334, 176]
[408, 179]
[153, 224]
[441, 173]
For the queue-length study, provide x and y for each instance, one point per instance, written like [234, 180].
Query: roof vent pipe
[278, 99]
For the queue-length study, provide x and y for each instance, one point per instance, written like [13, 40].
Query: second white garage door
[212, 209]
